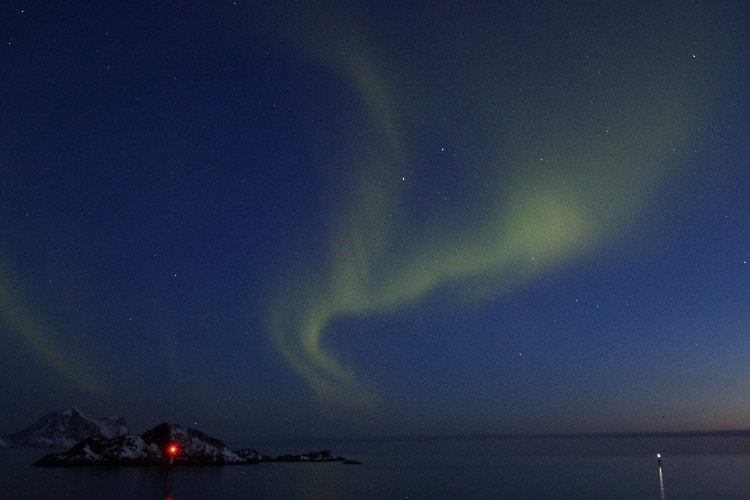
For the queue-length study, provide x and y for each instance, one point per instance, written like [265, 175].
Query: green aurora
[553, 177]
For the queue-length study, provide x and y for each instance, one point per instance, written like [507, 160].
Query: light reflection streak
[661, 484]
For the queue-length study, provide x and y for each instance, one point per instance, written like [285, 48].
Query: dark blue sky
[345, 219]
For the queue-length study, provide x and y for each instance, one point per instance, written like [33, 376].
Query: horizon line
[546, 435]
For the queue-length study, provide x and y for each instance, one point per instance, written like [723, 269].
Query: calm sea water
[457, 468]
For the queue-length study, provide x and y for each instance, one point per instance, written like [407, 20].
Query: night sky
[270, 219]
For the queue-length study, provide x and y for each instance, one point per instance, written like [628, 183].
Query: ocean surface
[479, 467]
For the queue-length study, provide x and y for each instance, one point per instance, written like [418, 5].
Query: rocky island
[105, 441]
[169, 444]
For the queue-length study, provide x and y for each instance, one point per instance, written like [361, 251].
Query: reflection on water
[437, 469]
[661, 483]
[661, 477]
[168, 484]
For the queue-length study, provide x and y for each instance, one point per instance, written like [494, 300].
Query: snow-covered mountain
[63, 429]
[152, 447]
[170, 443]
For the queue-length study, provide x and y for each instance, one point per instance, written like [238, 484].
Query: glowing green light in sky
[558, 181]
[20, 322]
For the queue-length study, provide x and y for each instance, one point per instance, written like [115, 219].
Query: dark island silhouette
[105, 441]
[170, 444]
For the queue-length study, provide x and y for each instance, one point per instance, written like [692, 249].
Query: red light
[173, 450]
